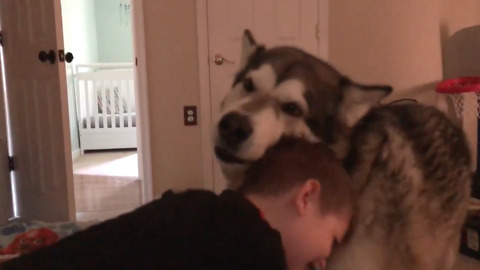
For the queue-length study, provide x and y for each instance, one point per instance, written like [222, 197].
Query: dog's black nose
[234, 128]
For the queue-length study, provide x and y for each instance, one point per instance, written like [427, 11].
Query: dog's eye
[248, 85]
[292, 108]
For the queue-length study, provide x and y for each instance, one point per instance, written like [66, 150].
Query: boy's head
[304, 193]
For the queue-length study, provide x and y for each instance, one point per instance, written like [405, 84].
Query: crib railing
[105, 96]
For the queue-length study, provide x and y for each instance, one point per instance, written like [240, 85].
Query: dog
[285, 92]
[410, 166]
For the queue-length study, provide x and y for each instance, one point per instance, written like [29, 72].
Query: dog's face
[285, 92]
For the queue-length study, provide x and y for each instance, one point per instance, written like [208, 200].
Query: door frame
[205, 119]
[140, 74]
[4, 142]
[72, 208]
[143, 132]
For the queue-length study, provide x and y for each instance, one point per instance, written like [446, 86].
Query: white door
[37, 99]
[272, 22]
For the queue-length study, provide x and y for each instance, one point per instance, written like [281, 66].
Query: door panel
[272, 22]
[38, 109]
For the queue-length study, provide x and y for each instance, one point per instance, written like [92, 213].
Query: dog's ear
[249, 46]
[358, 99]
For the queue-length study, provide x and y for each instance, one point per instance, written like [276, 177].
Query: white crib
[105, 98]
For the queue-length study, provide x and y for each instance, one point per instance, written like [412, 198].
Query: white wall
[80, 38]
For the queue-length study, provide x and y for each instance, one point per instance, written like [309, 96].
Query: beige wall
[373, 41]
[458, 14]
[172, 71]
[460, 33]
[396, 42]
[388, 41]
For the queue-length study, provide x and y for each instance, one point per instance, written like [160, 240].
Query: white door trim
[143, 131]
[67, 147]
[323, 29]
[204, 79]
[205, 106]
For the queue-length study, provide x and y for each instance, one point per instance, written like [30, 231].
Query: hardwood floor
[106, 184]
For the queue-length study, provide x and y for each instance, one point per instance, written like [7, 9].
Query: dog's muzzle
[233, 130]
[226, 156]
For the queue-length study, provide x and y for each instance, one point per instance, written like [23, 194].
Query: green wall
[95, 31]
[80, 38]
[114, 31]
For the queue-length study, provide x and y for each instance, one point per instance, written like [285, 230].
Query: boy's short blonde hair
[292, 162]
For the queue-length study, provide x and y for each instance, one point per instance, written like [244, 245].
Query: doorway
[35, 90]
[102, 107]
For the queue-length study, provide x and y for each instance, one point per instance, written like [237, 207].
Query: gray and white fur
[409, 164]
[410, 169]
[284, 91]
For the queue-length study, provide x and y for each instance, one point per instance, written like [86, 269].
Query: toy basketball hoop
[464, 93]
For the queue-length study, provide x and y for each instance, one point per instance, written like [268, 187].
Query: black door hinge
[11, 164]
[1, 38]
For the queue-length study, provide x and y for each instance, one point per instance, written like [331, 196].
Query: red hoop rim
[459, 85]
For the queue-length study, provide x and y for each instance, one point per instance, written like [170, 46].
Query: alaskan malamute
[410, 165]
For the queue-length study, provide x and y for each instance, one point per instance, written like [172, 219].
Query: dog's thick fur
[410, 169]
[409, 164]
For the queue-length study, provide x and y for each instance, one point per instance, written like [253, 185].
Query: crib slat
[83, 106]
[97, 107]
[79, 85]
[94, 108]
[104, 104]
[132, 101]
[113, 104]
[108, 101]
[80, 91]
[87, 104]
[121, 97]
[129, 103]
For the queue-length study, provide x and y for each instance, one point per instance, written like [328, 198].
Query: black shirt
[194, 229]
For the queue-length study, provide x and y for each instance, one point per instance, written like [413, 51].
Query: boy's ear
[308, 196]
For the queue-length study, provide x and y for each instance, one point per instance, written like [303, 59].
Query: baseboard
[75, 154]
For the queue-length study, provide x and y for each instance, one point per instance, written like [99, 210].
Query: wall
[373, 41]
[78, 27]
[172, 70]
[397, 42]
[458, 14]
[114, 31]
[460, 34]
[388, 41]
